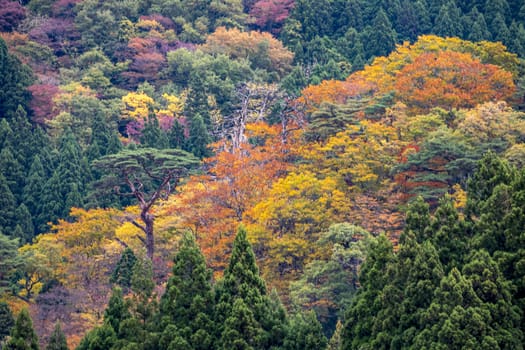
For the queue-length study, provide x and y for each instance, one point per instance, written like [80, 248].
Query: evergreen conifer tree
[242, 297]
[57, 341]
[23, 219]
[6, 321]
[124, 269]
[305, 332]
[381, 36]
[152, 135]
[117, 310]
[188, 301]
[11, 169]
[7, 207]
[199, 137]
[176, 136]
[448, 21]
[23, 336]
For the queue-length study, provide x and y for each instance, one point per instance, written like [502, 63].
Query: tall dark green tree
[305, 332]
[15, 77]
[199, 137]
[188, 301]
[23, 336]
[57, 341]
[7, 207]
[9, 262]
[152, 135]
[7, 321]
[117, 310]
[242, 311]
[124, 270]
[380, 37]
[12, 170]
[448, 21]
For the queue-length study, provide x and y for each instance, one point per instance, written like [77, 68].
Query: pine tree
[176, 135]
[11, 169]
[152, 135]
[500, 30]
[15, 77]
[7, 207]
[101, 338]
[6, 321]
[9, 261]
[380, 37]
[57, 341]
[23, 336]
[373, 277]
[517, 34]
[242, 297]
[305, 332]
[188, 301]
[53, 203]
[24, 220]
[448, 21]
[124, 269]
[23, 138]
[34, 191]
[199, 137]
[117, 310]
[477, 26]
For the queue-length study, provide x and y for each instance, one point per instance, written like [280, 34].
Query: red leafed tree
[42, 102]
[270, 15]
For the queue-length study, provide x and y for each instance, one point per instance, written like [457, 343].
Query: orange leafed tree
[451, 80]
[212, 205]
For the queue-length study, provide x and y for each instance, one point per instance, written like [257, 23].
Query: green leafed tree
[147, 175]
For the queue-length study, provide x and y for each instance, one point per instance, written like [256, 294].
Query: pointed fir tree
[199, 137]
[32, 195]
[448, 21]
[7, 207]
[102, 338]
[9, 262]
[7, 321]
[380, 37]
[188, 301]
[13, 172]
[241, 294]
[305, 332]
[117, 310]
[499, 29]
[477, 26]
[24, 219]
[53, 203]
[15, 77]
[23, 336]
[517, 34]
[152, 135]
[176, 136]
[57, 341]
[124, 270]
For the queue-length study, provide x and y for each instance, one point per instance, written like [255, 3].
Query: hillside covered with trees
[262, 174]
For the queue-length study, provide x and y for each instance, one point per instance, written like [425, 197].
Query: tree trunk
[150, 238]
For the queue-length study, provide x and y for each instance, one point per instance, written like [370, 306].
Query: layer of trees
[344, 135]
